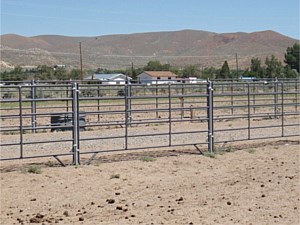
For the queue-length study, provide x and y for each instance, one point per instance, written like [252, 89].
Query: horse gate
[75, 119]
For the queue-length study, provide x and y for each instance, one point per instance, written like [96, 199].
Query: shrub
[209, 154]
[33, 169]
[251, 150]
[148, 159]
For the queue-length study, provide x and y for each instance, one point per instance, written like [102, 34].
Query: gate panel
[66, 119]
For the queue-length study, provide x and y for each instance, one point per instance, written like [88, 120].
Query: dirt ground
[253, 185]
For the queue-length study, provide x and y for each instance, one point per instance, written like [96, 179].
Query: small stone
[81, 219]
[110, 201]
[39, 216]
[119, 208]
[35, 220]
[180, 199]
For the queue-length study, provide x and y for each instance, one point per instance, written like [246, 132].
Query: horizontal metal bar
[37, 142]
[258, 138]
[37, 156]
[141, 148]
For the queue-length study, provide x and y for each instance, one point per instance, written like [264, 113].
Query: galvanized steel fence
[75, 119]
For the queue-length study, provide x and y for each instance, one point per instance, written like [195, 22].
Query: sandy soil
[250, 186]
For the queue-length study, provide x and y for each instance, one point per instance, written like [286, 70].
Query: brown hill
[118, 51]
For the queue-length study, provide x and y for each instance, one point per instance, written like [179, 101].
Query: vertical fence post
[156, 100]
[210, 116]
[67, 96]
[170, 116]
[296, 94]
[75, 119]
[21, 122]
[249, 109]
[282, 109]
[127, 119]
[276, 110]
[253, 93]
[33, 106]
[98, 101]
[182, 102]
[129, 102]
[231, 96]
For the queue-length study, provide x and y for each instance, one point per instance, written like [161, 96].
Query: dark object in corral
[64, 121]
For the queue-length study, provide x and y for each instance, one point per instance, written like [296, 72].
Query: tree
[17, 74]
[292, 57]
[190, 70]
[224, 72]
[209, 72]
[156, 66]
[75, 74]
[61, 74]
[45, 72]
[256, 68]
[274, 67]
[291, 73]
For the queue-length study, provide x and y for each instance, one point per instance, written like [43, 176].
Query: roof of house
[105, 76]
[160, 73]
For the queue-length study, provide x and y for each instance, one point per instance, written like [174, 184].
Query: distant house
[114, 78]
[157, 77]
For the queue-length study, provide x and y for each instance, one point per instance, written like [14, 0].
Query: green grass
[148, 159]
[33, 169]
[209, 154]
[50, 163]
[251, 150]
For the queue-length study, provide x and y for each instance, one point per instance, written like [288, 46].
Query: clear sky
[102, 17]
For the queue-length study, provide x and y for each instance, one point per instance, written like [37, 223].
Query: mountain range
[179, 48]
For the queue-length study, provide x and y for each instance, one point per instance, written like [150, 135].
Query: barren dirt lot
[249, 186]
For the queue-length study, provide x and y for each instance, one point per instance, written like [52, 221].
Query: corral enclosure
[98, 118]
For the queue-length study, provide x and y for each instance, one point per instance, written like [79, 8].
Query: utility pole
[237, 65]
[81, 73]
[132, 70]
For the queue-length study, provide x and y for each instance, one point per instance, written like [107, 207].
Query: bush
[33, 169]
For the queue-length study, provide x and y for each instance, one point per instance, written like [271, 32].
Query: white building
[114, 78]
[157, 77]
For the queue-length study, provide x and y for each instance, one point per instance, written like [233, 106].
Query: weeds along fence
[76, 119]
